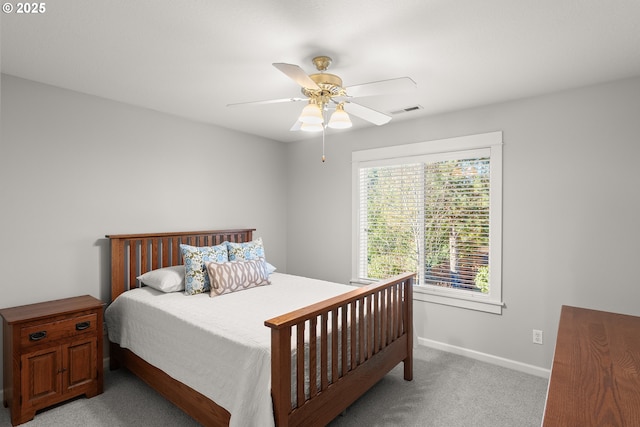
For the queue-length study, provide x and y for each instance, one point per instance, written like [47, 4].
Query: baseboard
[484, 357]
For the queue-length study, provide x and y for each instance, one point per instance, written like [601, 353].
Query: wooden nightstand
[52, 352]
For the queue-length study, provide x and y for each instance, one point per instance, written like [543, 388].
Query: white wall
[571, 206]
[75, 167]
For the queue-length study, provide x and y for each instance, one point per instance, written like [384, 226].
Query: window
[433, 208]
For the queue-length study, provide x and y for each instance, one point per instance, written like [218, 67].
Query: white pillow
[167, 279]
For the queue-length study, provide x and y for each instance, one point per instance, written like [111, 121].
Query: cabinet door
[80, 365]
[40, 380]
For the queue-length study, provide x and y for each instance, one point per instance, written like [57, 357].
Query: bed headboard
[135, 254]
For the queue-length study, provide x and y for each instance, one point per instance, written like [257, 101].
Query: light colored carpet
[450, 391]
[447, 391]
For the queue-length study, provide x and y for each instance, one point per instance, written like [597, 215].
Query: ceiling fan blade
[382, 87]
[268, 101]
[296, 126]
[297, 74]
[366, 113]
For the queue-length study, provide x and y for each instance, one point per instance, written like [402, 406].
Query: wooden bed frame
[382, 339]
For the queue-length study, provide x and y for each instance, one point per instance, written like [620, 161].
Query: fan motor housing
[330, 85]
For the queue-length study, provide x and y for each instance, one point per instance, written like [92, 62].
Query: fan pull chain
[323, 158]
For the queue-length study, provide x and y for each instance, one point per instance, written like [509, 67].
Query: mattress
[217, 346]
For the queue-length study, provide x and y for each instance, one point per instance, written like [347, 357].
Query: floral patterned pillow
[196, 279]
[236, 276]
[246, 251]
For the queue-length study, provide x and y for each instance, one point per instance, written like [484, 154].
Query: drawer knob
[36, 336]
[82, 326]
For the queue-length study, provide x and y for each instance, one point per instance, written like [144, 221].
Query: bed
[315, 357]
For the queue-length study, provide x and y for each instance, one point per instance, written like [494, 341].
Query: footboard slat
[334, 345]
[361, 324]
[324, 352]
[376, 323]
[370, 318]
[313, 390]
[370, 332]
[344, 336]
[353, 350]
[300, 362]
[394, 313]
[383, 320]
[389, 315]
[400, 309]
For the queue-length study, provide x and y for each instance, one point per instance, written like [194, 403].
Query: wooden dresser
[595, 377]
[52, 351]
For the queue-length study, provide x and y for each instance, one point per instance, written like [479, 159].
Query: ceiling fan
[325, 92]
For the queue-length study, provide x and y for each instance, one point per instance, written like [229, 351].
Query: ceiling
[191, 58]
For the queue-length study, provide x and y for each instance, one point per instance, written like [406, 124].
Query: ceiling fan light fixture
[340, 119]
[311, 114]
[311, 127]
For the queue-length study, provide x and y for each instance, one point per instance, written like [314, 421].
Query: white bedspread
[218, 346]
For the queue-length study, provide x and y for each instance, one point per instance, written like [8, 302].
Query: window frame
[492, 141]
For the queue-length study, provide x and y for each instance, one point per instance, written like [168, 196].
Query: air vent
[407, 109]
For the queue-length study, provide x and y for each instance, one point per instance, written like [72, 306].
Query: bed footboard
[337, 349]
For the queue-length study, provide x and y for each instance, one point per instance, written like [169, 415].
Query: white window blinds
[391, 209]
[457, 224]
[434, 214]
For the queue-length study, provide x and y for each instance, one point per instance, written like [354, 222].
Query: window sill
[454, 299]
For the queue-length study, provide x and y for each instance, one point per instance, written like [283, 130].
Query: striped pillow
[236, 276]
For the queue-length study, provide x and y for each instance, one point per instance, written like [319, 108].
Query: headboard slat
[154, 253]
[175, 251]
[130, 252]
[133, 262]
[164, 246]
[144, 256]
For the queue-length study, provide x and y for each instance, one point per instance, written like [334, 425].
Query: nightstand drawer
[52, 331]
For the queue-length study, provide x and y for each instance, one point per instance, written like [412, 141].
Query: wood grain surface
[595, 377]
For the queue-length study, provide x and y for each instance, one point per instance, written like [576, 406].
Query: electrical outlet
[537, 336]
